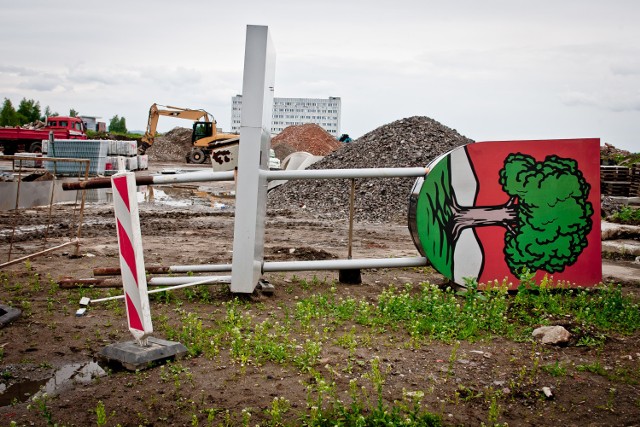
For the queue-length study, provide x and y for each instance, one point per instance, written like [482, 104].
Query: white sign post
[255, 141]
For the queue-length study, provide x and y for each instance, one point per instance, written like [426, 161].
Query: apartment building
[296, 111]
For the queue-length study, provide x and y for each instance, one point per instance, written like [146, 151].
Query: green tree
[73, 113]
[48, 113]
[8, 114]
[553, 214]
[118, 124]
[28, 111]
[123, 124]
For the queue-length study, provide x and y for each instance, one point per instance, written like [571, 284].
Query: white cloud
[490, 69]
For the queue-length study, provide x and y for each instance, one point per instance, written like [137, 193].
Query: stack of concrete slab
[128, 151]
[92, 149]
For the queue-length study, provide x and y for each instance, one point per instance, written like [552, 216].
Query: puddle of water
[63, 379]
[186, 197]
[179, 197]
[20, 392]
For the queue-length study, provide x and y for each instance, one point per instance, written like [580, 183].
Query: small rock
[552, 335]
[547, 392]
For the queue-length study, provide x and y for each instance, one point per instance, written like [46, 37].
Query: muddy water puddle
[218, 198]
[62, 379]
[180, 197]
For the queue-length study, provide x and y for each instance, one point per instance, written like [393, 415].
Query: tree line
[29, 111]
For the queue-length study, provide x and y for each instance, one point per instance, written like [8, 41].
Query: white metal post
[253, 156]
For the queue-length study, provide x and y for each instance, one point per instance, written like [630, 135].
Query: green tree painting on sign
[547, 216]
[553, 214]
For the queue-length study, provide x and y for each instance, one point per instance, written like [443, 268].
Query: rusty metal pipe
[203, 175]
[115, 271]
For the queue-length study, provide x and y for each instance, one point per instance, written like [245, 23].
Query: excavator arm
[167, 110]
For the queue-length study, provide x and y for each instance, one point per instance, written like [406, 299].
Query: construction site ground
[466, 382]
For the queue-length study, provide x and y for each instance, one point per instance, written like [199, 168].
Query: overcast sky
[491, 69]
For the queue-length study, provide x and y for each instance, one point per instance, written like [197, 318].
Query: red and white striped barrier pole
[134, 279]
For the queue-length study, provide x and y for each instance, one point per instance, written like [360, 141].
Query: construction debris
[409, 142]
[173, 146]
[610, 155]
[308, 137]
[38, 124]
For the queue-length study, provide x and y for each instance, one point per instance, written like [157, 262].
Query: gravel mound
[409, 142]
[173, 146]
[308, 137]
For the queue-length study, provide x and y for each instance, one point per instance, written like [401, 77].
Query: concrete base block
[134, 357]
[350, 276]
[8, 314]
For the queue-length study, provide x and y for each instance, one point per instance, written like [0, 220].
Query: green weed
[101, 414]
[555, 369]
[324, 409]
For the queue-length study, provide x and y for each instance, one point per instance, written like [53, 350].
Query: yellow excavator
[205, 139]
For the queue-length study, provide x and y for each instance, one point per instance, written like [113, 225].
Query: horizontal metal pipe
[206, 175]
[343, 264]
[203, 268]
[198, 176]
[203, 175]
[346, 173]
[185, 280]
[203, 281]
[278, 266]
[115, 271]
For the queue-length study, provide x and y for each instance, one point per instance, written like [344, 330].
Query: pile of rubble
[610, 155]
[173, 146]
[409, 142]
[308, 137]
[38, 124]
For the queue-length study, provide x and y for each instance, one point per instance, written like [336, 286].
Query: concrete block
[8, 314]
[135, 357]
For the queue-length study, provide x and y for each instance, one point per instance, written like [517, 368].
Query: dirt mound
[409, 142]
[173, 146]
[306, 253]
[308, 137]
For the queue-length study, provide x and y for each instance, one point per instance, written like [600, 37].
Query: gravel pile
[409, 142]
[308, 137]
[173, 146]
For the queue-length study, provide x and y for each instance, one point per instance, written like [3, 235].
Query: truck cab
[71, 123]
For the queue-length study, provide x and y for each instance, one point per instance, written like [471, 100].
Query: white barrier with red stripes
[134, 279]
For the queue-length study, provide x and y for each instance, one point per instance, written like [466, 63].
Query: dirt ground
[489, 381]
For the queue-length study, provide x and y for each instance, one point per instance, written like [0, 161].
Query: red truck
[18, 139]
